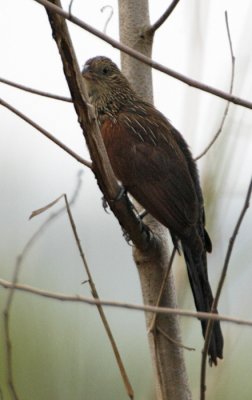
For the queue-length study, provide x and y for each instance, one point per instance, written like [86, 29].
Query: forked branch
[94, 292]
[163, 17]
[146, 60]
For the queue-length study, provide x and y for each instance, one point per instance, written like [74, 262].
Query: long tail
[203, 298]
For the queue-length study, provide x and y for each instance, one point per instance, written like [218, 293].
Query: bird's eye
[105, 70]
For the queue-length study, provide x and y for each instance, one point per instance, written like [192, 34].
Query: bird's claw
[105, 204]
[122, 192]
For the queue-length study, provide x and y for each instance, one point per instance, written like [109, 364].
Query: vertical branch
[167, 355]
[7, 338]
[133, 19]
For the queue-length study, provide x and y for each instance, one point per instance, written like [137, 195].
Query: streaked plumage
[155, 165]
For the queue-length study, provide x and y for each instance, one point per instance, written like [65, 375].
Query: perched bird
[153, 162]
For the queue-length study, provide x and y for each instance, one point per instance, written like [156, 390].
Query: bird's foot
[142, 214]
[122, 192]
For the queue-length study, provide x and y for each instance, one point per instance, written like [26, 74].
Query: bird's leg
[122, 192]
[139, 215]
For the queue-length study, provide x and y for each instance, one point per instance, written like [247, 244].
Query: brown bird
[153, 162]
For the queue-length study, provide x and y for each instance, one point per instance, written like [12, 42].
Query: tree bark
[167, 354]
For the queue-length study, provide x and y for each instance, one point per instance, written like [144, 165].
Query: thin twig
[70, 7]
[16, 273]
[94, 292]
[230, 92]
[163, 17]
[219, 289]
[109, 17]
[35, 91]
[163, 286]
[144, 59]
[160, 330]
[117, 304]
[6, 332]
[46, 133]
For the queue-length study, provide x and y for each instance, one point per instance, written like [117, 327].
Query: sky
[34, 171]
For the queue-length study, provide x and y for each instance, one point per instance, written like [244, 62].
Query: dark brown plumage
[155, 165]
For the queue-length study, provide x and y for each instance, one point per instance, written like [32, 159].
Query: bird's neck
[108, 106]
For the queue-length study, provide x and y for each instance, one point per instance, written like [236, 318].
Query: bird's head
[105, 82]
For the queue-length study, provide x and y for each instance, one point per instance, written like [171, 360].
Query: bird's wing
[164, 188]
[154, 170]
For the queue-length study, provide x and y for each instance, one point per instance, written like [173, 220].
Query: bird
[153, 162]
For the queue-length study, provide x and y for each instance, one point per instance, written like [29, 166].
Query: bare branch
[46, 133]
[9, 369]
[163, 17]
[230, 91]
[144, 59]
[219, 289]
[117, 304]
[231, 244]
[35, 91]
[94, 292]
[45, 208]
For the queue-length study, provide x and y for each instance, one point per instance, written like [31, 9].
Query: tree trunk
[167, 355]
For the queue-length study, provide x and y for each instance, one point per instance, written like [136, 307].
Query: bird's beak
[86, 72]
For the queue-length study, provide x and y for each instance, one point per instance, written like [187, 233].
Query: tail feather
[203, 298]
